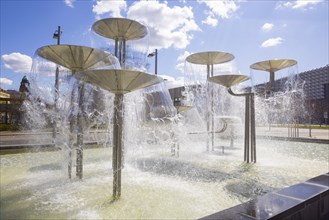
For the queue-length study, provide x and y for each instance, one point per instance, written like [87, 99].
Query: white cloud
[211, 21]
[17, 62]
[69, 3]
[168, 27]
[303, 4]
[182, 57]
[180, 67]
[226, 68]
[45, 67]
[6, 81]
[272, 42]
[181, 61]
[282, 4]
[171, 82]
[223, 9]
[298, 4]
[109, 8]
[267, 27]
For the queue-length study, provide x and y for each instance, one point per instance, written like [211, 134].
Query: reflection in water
[180, 169]
[156, 185]
[45, 167]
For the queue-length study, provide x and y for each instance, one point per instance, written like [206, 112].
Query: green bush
[9, 127]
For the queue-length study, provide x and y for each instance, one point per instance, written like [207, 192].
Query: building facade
[11, 101]
[316, 91]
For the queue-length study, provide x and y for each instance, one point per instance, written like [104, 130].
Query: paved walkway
[26, 139]
[312, 134]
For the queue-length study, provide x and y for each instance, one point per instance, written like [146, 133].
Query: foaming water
[155, 185]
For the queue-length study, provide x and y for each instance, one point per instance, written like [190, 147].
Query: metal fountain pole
[272, 80]
[250, 138]
[76, 59]
[246, 129]
[120, 30]
[71, 138]
[116, 47]
[79, 123]
[79, 159]
[155, 53]
[156, 62]
[125, 81]
[123, 63]
[58, 37]
[253, 126]
[271, 66]
[118, 120]
[210, 58]
[208, 112]
[212, 111]
[250, 131]
[117, 144]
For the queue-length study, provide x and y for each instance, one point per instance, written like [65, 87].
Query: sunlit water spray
[155, 183]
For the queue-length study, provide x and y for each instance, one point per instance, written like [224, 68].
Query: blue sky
[252, 31]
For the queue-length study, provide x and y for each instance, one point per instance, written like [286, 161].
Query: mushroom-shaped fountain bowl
[228, 80]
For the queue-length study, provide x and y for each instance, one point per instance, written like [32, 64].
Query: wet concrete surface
[307, 200]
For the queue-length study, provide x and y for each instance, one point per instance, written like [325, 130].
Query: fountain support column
[120, 51]
[208, 112]
[250, 130]
[117, 144]
[272, 66]
[79, 122]
[57, 35]
[118, 82]
[56, 102]
[211, 114]
[271, 84]
[80, 126]
[71, 138]
[209, 59]
[77, 58]
[175, 144]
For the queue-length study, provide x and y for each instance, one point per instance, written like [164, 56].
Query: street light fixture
[57, 35]
[155, 53]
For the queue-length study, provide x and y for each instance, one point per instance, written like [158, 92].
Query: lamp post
[57, 35]
[310, 119]
[155, 53]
